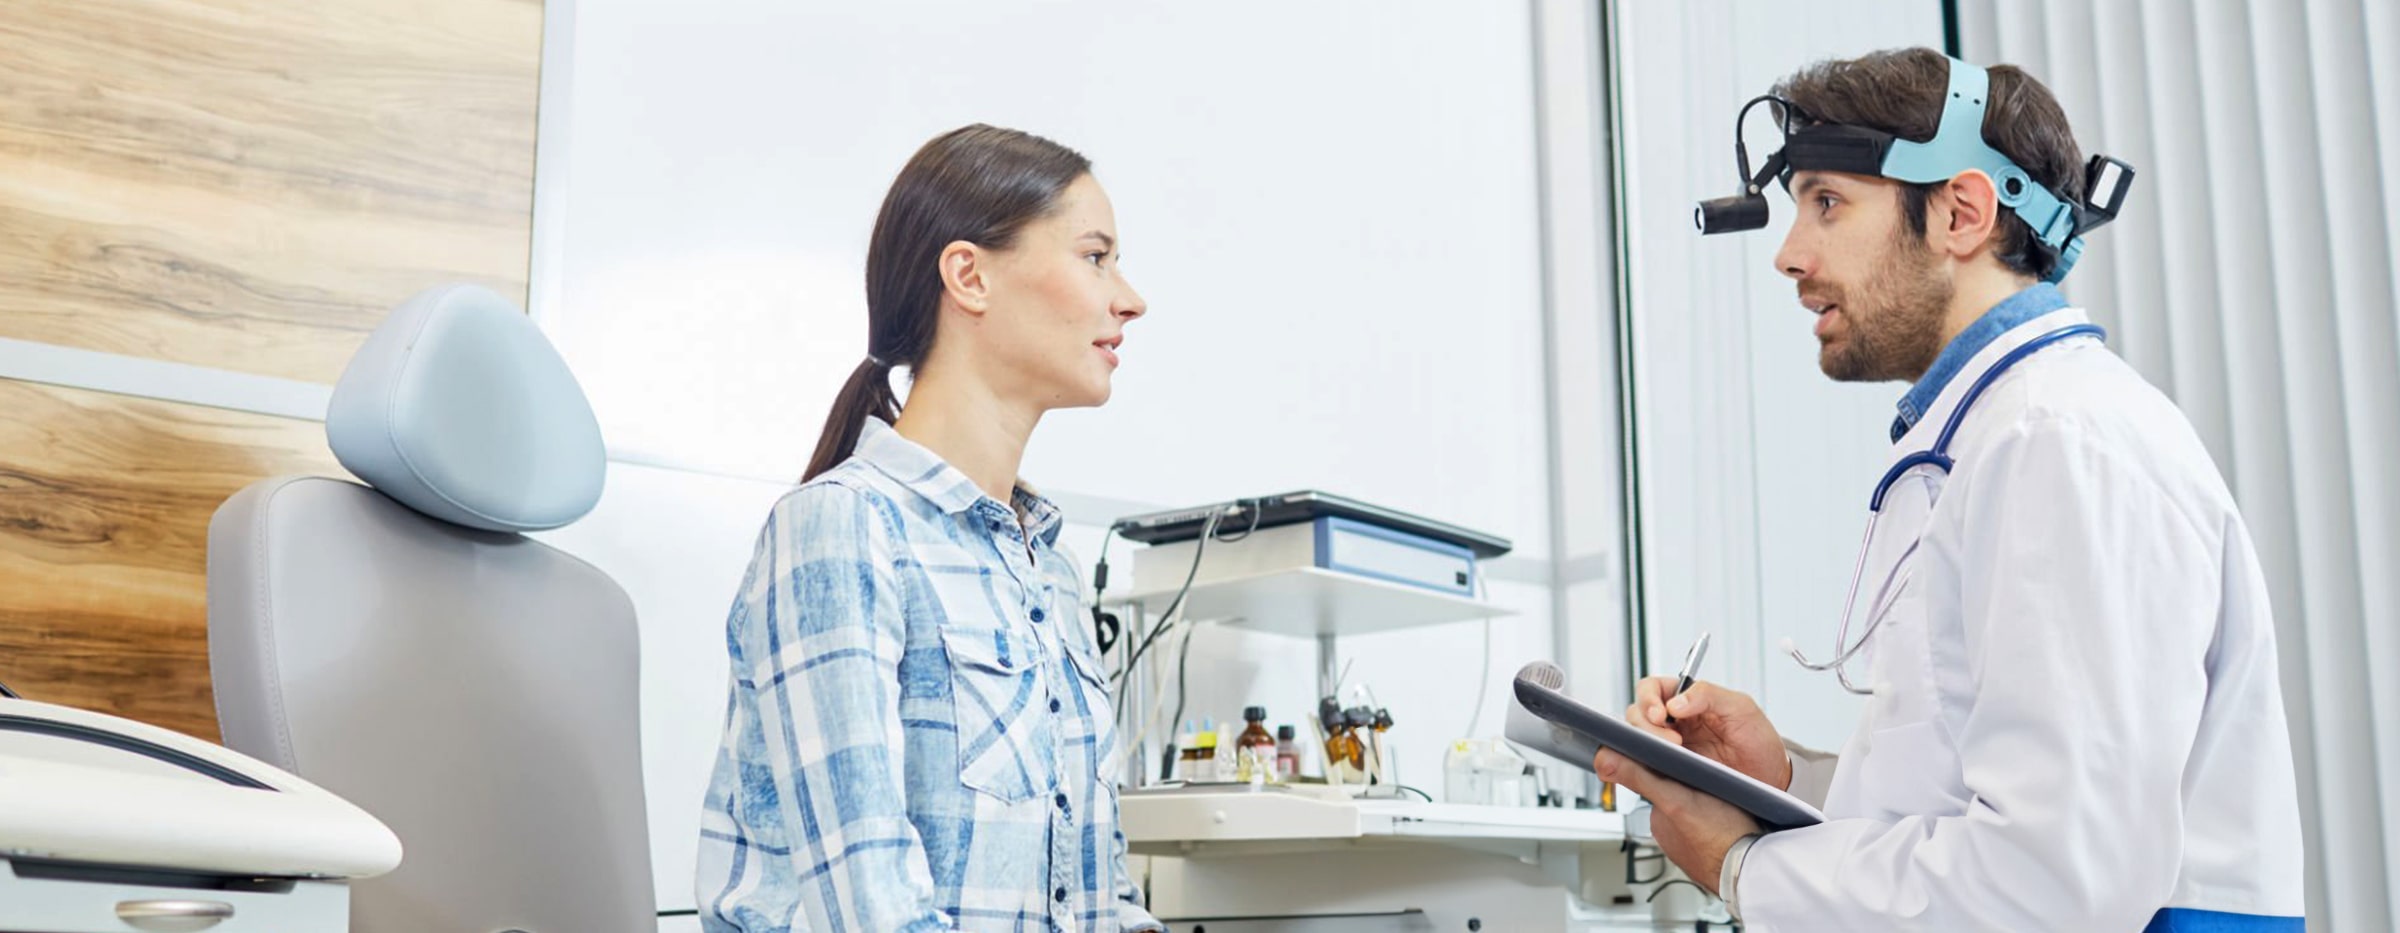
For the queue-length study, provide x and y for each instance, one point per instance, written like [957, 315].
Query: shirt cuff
[1138, 920]
[1812, 773]
[1729, 875]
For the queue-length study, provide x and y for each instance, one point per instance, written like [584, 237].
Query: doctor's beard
[1891, 327]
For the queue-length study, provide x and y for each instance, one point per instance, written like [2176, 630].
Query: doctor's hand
[1722, 724]
[1692, 828]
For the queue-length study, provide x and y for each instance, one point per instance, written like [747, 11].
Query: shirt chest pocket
[1900, 661]
[1893, 611]
[996, 696]
[1088, 710]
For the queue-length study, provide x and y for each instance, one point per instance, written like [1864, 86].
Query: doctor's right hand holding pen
[1723, 724]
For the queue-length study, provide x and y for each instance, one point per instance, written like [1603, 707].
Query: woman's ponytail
[868, 394]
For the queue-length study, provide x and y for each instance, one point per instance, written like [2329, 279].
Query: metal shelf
[1312, 601]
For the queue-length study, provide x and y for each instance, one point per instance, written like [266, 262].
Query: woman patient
[919, 736]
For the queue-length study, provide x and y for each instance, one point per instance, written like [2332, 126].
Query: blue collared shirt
[919, 736]
[2036, 300]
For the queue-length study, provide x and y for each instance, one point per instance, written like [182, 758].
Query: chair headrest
[457, 407]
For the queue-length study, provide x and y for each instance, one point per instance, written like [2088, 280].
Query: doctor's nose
[1793, 260]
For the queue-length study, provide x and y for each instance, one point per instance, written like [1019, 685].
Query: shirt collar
[2034, 301]
[927, 474]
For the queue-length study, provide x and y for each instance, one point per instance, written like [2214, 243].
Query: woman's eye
[1096, 258]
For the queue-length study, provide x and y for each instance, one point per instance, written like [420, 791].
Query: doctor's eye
[1825, 203]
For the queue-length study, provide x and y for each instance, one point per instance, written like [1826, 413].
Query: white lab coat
[2077, 720]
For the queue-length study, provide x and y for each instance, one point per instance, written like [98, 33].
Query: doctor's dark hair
[981, 184]
[1901, 92]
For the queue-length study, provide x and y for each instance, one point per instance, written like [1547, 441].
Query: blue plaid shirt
[919, 736]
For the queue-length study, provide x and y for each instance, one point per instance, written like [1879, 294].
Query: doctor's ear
[964, 268]
[1964, 212]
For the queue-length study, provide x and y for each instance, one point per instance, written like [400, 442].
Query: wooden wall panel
[247, 185]
[251, 184]
[105, 502]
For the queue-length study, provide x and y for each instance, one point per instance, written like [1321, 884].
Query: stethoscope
[1938, 458]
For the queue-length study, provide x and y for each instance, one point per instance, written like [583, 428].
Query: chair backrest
[404, 645]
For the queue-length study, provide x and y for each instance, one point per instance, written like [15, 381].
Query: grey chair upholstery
[473, 688]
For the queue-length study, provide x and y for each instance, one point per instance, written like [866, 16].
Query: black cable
[1634, 858]
[11, 694]
[1183, 661]
[1428, 797]
[1655, 891]
[1256, 509]
[1167, 619]
[1106, 629]
[1698, 926]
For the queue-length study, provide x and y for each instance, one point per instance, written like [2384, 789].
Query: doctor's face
[1878, 291]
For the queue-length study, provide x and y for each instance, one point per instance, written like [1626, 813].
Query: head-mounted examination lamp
[1957, 146]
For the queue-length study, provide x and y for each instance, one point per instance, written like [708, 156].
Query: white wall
[1754, 469]
[1331, 208]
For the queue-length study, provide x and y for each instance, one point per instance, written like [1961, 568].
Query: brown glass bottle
[1254, 749]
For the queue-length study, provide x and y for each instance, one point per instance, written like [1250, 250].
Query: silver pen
[1691, 667]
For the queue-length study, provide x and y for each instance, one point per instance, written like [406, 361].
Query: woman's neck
[971, 428]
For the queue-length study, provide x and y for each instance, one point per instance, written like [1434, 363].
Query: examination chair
[401, 643]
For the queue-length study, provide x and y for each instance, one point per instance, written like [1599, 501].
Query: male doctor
[2074, 721]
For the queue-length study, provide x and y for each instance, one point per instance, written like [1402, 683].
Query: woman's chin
[1097, 385]
[1085, 395]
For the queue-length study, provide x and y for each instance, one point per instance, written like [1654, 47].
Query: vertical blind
[2252, 278]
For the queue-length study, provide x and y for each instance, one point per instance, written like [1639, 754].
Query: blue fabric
[2187, 920]
[2036, 300]
[919, 736]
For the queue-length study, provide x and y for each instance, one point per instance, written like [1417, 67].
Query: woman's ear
[963, 268]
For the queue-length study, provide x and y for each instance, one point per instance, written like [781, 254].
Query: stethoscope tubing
[1937, 457]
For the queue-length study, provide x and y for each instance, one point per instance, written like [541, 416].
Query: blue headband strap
[1958, 146]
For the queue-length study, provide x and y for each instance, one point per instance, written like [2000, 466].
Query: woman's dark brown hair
[978, 183]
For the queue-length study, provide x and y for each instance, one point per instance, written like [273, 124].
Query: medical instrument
[1305, 506]
[1330, 543]
[1957, 146]
[1937, 457]
[1691, 667]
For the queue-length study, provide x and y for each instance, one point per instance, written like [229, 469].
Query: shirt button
[1062, 801]
[1054, 704]
[1059, 895]
[1038, 614]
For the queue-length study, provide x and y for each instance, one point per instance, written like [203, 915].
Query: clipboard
[1547, 720]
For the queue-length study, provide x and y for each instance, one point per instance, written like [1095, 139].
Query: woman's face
[1058, 305]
